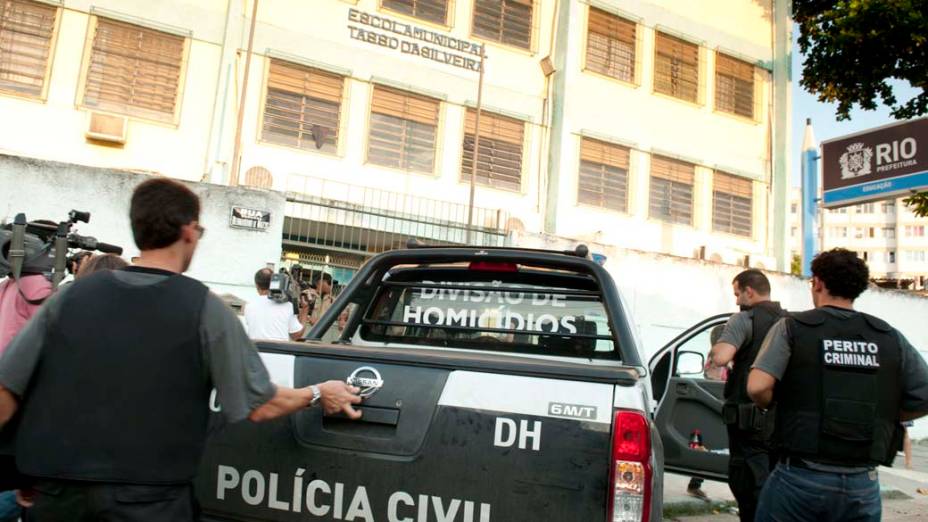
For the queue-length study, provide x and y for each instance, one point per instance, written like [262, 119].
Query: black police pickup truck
[499, 384]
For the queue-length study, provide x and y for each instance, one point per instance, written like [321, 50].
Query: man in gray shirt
[750, 460]
[843, 380]
[112, 378]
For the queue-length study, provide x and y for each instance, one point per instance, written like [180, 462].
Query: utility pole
[473, 167]
[237, 152]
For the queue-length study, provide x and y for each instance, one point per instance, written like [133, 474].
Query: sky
[824, 123]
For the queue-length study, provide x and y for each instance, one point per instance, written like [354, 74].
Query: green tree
[918, 203]
[853, 48]
[852, 51]
[795, 266]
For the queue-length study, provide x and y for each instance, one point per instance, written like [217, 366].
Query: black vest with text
[120, 394]
[765, 315]
[838, 402]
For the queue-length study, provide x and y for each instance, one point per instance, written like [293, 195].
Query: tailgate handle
[374, 415]
[683, 388]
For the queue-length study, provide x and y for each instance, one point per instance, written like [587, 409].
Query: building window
[915, 256]
[915, 230]
[889, 207]
[793, 207]
[499, 164]
[610, 47]
[734, 86]
[134, 70]
[889, 232]
[302, 107]
[792, 232]
[259, 177]
[732, 204]
[26, 30]
[403, 130]
[858, 233]
[871, 232]
[603, 180]
[676, 68]
[891, 256]
[671, 192]
[504, 21]
[842, 232]
[428, 10]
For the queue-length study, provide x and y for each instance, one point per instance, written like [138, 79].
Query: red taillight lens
[632, 438]
[630, 471]
[487, 266]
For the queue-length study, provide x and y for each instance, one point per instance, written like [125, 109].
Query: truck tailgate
[450, 436]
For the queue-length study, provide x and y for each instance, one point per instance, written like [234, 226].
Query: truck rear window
[503, 314]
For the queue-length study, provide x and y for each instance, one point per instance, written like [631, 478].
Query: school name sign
[412, 40]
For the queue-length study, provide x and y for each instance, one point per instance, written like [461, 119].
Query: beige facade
[886, 234]
[387, 87]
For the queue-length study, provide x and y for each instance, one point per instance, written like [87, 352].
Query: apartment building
[885, 234]
[655, 125]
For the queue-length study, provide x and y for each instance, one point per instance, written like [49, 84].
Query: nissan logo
[368, 379]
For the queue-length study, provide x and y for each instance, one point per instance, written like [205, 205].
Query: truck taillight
[630, 470]
[491, 266]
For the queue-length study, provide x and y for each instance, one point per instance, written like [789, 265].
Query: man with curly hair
[842, 381]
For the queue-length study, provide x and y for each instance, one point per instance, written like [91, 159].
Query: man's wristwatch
[317, 395]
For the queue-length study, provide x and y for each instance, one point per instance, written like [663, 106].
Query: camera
[280, 290]
[42, 247]
[74, 260]
[287, 286]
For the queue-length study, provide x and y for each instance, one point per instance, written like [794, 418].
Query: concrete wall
[227, 257]
[668, 294]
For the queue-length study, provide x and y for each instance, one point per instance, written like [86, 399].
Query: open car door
[690, 400]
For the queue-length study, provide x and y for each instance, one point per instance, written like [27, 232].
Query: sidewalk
[899, 488]
[901, 500]
[677, 503]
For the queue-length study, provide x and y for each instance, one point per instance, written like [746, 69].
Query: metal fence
[340, 217]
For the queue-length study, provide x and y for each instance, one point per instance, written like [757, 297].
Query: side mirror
[690, 363]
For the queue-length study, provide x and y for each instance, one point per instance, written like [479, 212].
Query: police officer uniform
[843, 378]
[749, 428]
[114, 376]
[839, 397]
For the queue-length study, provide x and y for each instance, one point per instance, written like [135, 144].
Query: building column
[702, 200]
[222, 127]
[782, 76]
[558, 100]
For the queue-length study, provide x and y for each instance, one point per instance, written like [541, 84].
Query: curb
[894, 494]
[695, 507]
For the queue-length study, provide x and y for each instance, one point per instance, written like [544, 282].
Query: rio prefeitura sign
[881, 163]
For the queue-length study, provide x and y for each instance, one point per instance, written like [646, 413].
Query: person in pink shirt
[17, 305]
